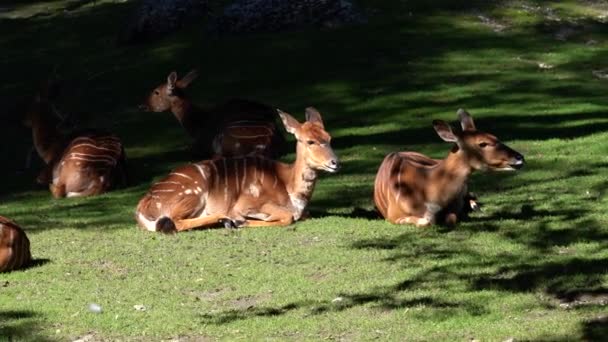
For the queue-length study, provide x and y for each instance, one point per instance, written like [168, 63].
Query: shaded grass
[539, 243]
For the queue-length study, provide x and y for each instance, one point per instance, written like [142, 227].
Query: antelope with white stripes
[81, 164]
[244, 191]
[411, 188]
[235, 128]
[14, 246]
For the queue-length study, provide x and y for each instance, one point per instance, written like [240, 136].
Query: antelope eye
[156, 92]
[483, 144]
[310, 142]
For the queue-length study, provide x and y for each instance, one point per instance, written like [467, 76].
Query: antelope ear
[291, 124]
[313, 116]
[466, 120]
[186, 80]
[444, 131]
[171, 81]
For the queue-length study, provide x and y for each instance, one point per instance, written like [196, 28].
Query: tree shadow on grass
[381, 299]
[16, 325]
[596, 329]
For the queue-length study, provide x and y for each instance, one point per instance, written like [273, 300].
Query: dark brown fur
[249, 191]
[232, 129]
[411, 188]
[80, 164]
[14, 246]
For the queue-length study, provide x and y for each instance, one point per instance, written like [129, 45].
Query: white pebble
[95, 308]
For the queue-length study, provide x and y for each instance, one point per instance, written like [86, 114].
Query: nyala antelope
[79, 164]
[14, 246]
[245, 191]
[235, 128]
[411, 188]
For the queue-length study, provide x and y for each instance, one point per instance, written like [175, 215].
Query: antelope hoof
[166, 226]
[423, 222]
[231, 223]
[228, 223]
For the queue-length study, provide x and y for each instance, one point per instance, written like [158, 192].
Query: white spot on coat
[254, 190]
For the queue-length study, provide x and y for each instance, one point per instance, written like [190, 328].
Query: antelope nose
[334, 164]
[519, 161]
[143, 107]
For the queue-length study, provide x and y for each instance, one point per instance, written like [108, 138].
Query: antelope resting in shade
[14, 246]
[411, 188]
[235, 128]
[244, 191]
[80, 164]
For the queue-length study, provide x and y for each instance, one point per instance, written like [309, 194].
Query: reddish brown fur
[86, 163]
[413, 188]
[250, 191]
[14, 246]
[235, 128]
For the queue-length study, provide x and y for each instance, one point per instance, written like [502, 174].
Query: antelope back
[14, 246]
[93, 162]
[243, 138]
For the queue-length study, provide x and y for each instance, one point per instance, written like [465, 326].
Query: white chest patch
[431, 210]
[254, 190]
[299, 205]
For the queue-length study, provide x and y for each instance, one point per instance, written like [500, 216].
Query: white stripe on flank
[95, 146]
[93, 160]
[244, 172]
[399, 181]
[262, 160]
[168, 182]
[163, 190]
[180, 174]
[255, 169]
[92, 155]
[236, 171]
[217, 178]
[225, 180]
[202, 172]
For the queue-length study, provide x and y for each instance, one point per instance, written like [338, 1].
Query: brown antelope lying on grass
[14, 246]
[413, 188]
[244, 191]
[80, 164]
[235, 128]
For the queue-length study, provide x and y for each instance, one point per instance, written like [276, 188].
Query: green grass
[541, 240]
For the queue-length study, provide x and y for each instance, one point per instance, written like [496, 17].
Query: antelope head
[313, 142]
[163, 97]
[483, 150]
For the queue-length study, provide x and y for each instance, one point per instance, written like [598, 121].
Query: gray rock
[155, 18]
[276, 15]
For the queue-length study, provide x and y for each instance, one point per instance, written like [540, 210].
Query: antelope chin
[330, 169]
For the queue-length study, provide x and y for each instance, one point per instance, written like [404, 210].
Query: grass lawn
[533, 265]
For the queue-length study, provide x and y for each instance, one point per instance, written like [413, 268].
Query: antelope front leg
[277, 216]
[415, 220]
[428, 219]
[199, 222]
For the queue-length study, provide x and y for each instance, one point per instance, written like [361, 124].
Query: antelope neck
[44, 135]
[453, 171]
[184, 111]
[301, 178]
